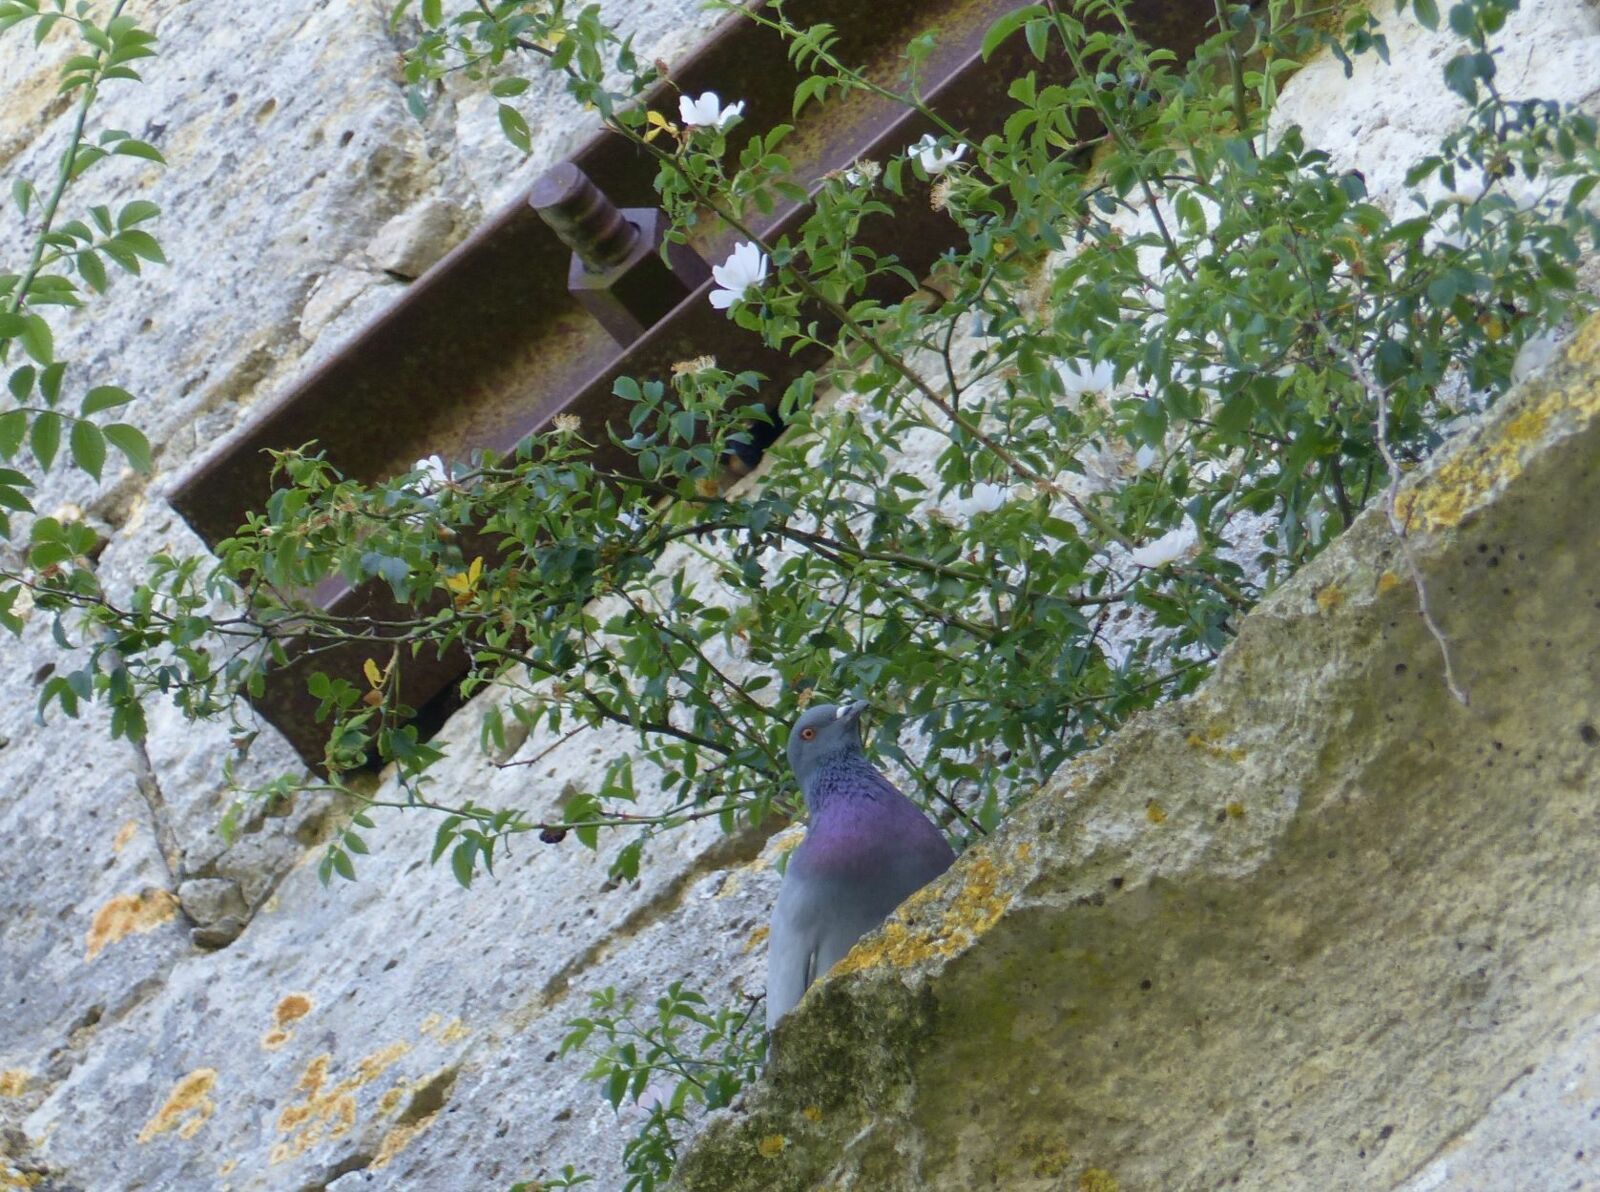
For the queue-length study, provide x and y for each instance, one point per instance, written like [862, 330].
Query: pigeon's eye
[808, 734]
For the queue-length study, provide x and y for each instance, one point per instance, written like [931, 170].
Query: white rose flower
[935, 158]
[708, 112]
[742, 272]
[1166, 549]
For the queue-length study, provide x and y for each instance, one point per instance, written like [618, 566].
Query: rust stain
[188, 1107]
[127, 914]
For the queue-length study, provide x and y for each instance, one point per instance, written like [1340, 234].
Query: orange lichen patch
[275, 1039]
[974, 908]
[14, 1082]
[771, 1146]
[757, 938]
[1329, 598]
[331, 1112]
[125, 834]
[293, 1006]
[1388, 581]
[188, 1107]
[445, 1032]
[129, 913]
[1154, 812]
[1096, 1180]
[390, 1101]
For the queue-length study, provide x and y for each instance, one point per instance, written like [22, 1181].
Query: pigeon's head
[825, 733]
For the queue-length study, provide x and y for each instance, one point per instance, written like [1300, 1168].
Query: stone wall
[401, 1032]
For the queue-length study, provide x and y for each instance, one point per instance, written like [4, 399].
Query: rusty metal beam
[490, 344]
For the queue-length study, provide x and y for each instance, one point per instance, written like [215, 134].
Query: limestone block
[1301, 930]
[409, 244]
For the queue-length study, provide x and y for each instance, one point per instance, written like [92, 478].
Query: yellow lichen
[771, 1146]
[328, 1113]
[1235, 810]
[227, 1169]
[127, 914]
[10, 1177]
[1154, 812]
[757, 938]
[1461, 482]
[1329, 598]
[974, 908]
[188, 1107]
[1097, 1180]
[275, 1039]
[390, 1101]
[1388, 581]
[124, 834]
[14, 1082]
[812, 1113]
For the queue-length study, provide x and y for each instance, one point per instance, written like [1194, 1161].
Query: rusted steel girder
[489, 345]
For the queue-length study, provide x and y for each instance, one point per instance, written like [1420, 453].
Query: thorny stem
[1391, 494]
[69, 158]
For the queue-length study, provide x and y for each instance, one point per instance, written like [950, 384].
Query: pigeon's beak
[850, 713]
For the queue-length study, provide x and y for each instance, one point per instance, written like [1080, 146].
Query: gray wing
[791, 948]
[816, 921]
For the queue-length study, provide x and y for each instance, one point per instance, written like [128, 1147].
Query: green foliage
[684, 1063]
[61, 247]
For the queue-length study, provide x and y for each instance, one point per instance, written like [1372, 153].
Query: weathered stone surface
[1302, 930]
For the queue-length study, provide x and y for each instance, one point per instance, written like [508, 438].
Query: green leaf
[104, 397]
[1427, 13]
[144, 149]
[21, 383]
[45, 438]
[50, 381]
[142, 244]
[136, 212]
[36, 339]
[23, 194]
[93, 270]
[461, 861]
[131, 442]
[13, 427]
[1007, 25]
[88, 447]
[514, 127]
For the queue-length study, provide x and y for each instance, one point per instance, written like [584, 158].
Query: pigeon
[867, 848]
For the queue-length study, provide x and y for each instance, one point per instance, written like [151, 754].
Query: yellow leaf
[374, 675]
[474, 572]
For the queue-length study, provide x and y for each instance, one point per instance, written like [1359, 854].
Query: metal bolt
[585, 219]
